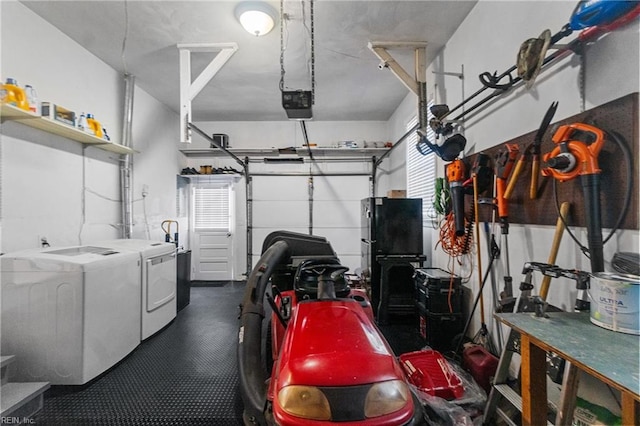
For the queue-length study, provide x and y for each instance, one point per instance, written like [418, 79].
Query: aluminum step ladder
[501, 389]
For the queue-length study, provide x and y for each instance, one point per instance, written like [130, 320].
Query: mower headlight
[386, 397]
[304, 401]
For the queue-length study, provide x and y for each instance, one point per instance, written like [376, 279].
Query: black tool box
[438, 291]
[439, 330]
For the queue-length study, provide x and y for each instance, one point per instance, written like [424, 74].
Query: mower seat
[305, 282]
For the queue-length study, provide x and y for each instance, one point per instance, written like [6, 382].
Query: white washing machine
[69, 314]
[158, 279]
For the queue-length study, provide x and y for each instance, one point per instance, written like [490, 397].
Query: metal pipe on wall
[248, 181]
[310, 204]
[126, 162]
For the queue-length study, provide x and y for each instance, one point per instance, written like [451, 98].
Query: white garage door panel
[344, 241]
[282, 203]
[336, 214]
[340, 188]
[281, 214]
[280, 188]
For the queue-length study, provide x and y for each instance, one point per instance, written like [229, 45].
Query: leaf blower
[572, 158]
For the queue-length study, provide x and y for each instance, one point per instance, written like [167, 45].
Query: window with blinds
[211, 207]
[421, 170]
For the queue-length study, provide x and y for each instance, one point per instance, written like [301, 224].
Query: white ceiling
[349, 85]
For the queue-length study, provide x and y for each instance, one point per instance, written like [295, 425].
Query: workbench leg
[568, 395]
[629, 409]
[534, 383]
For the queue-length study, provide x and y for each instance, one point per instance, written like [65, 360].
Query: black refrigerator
[391, 231]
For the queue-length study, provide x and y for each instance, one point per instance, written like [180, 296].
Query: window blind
[421, 169]
[211, 207]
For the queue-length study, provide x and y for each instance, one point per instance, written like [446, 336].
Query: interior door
[212, 232]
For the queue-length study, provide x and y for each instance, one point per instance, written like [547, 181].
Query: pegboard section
[619, 116]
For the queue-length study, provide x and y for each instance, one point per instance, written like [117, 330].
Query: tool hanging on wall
[555, 246]
[535, 151]
[503, 166]
[572, 158]
[597, 12]
[456, 175]
[579, 157]
[456, 228]
[531, 152]
[448, 151]
[167, 231]
[481, 170]
[608, 16]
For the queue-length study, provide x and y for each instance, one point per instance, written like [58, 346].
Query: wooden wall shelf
[9, 112]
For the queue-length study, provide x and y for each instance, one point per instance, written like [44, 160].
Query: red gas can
[481, 364]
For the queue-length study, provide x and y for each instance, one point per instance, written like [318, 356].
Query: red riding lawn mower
[323, 360]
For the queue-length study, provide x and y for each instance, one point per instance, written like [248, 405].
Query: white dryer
[158, 280]
[69, 314]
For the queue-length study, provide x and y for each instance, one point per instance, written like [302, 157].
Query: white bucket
[615, 302]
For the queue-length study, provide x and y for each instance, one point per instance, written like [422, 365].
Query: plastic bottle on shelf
[13, 94]
[82, 122]
[94, 126]
[32, 99]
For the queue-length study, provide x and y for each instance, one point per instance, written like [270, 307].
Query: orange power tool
[456, 172]
[572, 158]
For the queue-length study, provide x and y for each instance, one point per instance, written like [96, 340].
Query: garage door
[282, 203]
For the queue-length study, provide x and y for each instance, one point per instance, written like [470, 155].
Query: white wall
[486, 41]
[62, 190]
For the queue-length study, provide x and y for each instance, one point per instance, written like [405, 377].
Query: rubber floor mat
[184, 375]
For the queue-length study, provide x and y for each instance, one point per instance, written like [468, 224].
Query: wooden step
[21, 399]
[4, 362]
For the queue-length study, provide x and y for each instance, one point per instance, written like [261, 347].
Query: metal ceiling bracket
[190, 89]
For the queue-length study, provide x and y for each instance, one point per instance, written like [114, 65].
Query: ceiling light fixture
[257, 17]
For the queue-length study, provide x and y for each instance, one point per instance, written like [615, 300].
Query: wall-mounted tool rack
[620, 116]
